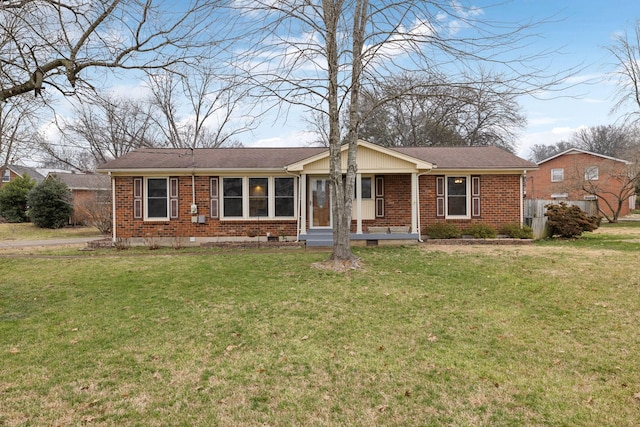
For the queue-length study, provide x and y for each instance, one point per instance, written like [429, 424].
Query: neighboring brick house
[582, 175]
[239, 193]
[11, 172]
[90, 192]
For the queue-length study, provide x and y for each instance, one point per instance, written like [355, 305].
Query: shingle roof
[22, 170]
[80, 181]
[278, 158]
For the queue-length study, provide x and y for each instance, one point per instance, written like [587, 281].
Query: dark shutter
[137, 198]
[213, 195]
[475, 196]
[440, 196]
[379, 197]
[173, 198]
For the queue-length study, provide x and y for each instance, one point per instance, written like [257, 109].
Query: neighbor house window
[591, 173]
[232, 197]
[263, 197]
[457, 192]
[6, 176]
[557, 175]
[157, 198]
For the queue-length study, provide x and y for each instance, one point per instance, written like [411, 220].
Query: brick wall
[540, 186]
[500, 204]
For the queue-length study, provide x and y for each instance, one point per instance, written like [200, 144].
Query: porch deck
[324, 237]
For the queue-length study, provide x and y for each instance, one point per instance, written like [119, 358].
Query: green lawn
[28, 231]
[546, 334]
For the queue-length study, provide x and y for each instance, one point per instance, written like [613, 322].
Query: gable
[370, 159]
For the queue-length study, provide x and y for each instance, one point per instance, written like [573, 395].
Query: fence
[534, 211]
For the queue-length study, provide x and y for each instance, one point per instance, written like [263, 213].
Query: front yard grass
[28, 231]
[502, 336]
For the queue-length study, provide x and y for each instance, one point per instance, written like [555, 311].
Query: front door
[320, 203]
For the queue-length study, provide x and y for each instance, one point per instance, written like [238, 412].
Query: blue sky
[579, 30]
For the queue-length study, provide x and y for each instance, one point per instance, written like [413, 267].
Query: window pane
[232, 196]
[232, 187]
[157, 187]
[284, 197]
[284, 187]
[366, 188]
[157, 208]
[233, 207]
[457, 206]
[457, 186]
[258, 187]
[258, 196]
[157, 198]
[284, 206]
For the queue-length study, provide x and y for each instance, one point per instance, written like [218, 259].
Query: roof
[22, 170]
[80, 181]
[578, 150]
[148, 159]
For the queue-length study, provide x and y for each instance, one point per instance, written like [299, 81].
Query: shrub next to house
[50, 204]
[13, 198]
[569, 221]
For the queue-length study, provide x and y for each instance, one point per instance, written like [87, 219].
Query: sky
[578, 31]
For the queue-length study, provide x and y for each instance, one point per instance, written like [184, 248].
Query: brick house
[228, 194]
[90, 193]
[11, 172]
[582, 175]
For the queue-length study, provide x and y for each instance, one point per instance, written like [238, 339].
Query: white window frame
[558, 171]
[591, 173]
[467, 197]
[271, 200]
[6, 176]
[146, 198]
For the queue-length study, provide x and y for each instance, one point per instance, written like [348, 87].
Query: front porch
[395, 235]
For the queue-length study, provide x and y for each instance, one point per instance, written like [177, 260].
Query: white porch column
[302, 203]
[414, 202]
[358, 203]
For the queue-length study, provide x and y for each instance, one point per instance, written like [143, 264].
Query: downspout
[418, 203]
[113, 208]
[299, 203]
[522, 176]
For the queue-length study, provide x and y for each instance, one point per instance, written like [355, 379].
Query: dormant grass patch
[538, 335]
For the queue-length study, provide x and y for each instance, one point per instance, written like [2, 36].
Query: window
[157, 198]
[258, 197]
[457, 196]
[6, 176]
[557, 175]
[284, 197]
[366, 187]
[232, 197]
[591, 173]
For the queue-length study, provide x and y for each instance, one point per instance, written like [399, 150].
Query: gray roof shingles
[278, 158]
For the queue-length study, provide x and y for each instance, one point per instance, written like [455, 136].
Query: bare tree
[101, 129]
[322, 54]
[540, 152]
[16, 131]
[626, 50]
[608, 140]
[61, 44]
[197, 108]
[427, 110]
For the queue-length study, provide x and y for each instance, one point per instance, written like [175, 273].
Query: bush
[482, 231]
[569, 221]
[50, 204]
[443, 230]
[13, 199]
[516, 232]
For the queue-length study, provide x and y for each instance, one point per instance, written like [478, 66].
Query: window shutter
[475, 196]
[440, 196]
[379, 197]
[173, 198]
[213, 195]
[137, 198]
